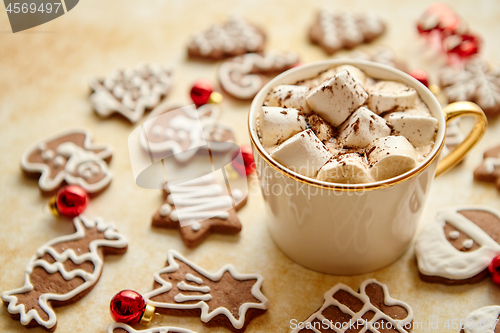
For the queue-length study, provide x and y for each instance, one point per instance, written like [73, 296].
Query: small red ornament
[493, 268]
[421, 76]
[70, 201]
[464, 46]
[129, 307]
[247, 166]
[203, 93]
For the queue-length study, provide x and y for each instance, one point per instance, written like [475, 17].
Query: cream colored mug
[348, 229]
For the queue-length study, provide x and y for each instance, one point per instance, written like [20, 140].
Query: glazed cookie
[489, 170]
[184, 131]
[382, 55]
[458, 246]
[232, 38]
[68, 158]
[131, 92]
[203, 205]
[242, 77]
[476, 82]
[334, 31]
[483, 320]
[345, 310]
[123, 328]
[62, 271]
[225, 298]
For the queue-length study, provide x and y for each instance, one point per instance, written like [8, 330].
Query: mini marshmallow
[391, 156]
[278, 124]
[357, 73]
[388, 95]
[303, 153]
[419, 130]
[320, 127]
[346, 169]
[336, 98]
[361, 128]
[289, 96]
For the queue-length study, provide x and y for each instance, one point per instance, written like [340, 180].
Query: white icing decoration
[239, 77]
[454, 234]
[48, 154]
[184, 298]
[58, 161]
[468, 243]
[437, 257]
[82, 223]
[234, 34]
[491, 164]
[368, 306]
[200, 199]
[139, 89]
[206, 315]
[192, 278]
[78, 160]
[42, 146]
[482, 320]
[165, 210]
[196, 226]
[163, 329]
[188, 287]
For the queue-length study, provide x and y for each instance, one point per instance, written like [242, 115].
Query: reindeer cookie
[371, 310]
[131, 92]
[225, 298]
[184, 131]
[242, 77]
[334, 31]
[62, 271]
[203, 205]
[489, 170]
[68, 158]
[232, 38]
[459, 245]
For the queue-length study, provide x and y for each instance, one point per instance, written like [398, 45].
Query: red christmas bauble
[248, 165]
[464, 46]
[421, 76]
[493, 268]
[201, 91]
[127, 307]
[71, 201]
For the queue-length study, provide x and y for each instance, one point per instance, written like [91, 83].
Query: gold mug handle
[454, 111]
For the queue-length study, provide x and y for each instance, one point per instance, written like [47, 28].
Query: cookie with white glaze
[131, 92]
[483, 320]
[372, 309]
[234, 37]
[458, 245]
[204, 206]
[63, 271]
[489, 169]
[224, 298]
[242, 77]
[338, 30]
[68, 158]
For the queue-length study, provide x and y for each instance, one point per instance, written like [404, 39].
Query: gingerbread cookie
[382, 55]
[489, 170]
[458, 246]
[123, 328]
[203, 206]
[242, 77]
[69, 158]
[225, 298]
[476, 82]
[62, 271]
[131, 92]
[334, 31]
[184, 131]
[232, 38]
[483, 320]
[370, 310]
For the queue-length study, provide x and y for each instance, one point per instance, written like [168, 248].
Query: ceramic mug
[348, 229]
